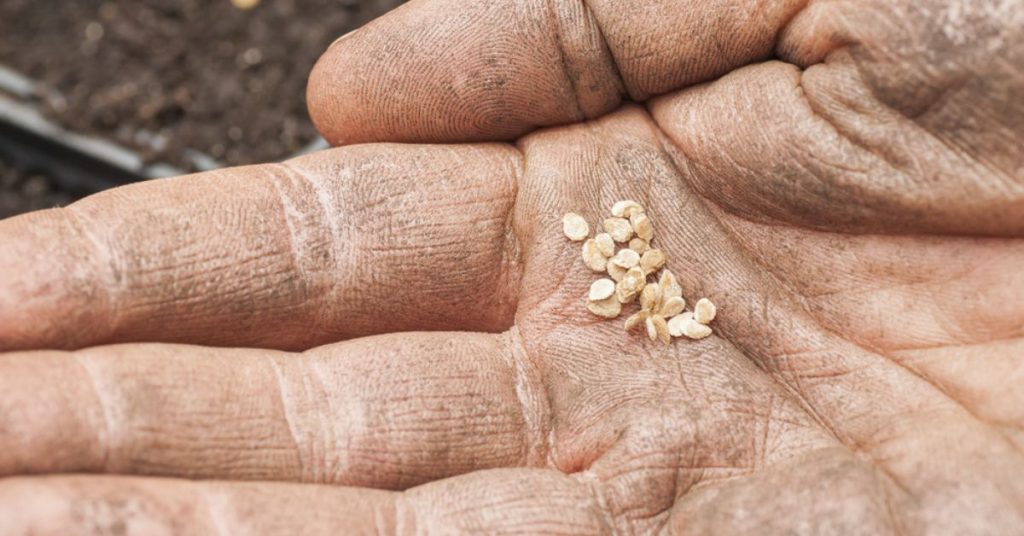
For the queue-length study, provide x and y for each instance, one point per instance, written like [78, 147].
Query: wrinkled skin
[844, 179]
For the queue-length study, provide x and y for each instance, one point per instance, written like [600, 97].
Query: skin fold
[390, 337]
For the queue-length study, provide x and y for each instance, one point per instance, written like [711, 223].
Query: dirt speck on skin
[165, 76]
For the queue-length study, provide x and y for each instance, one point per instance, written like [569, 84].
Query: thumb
[476, 70]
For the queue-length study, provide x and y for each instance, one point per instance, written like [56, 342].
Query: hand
[854, 207]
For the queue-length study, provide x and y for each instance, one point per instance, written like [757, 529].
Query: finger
[390, 411]
[326, 247]
[942, 107]
[817, 149]
[458, 70]
[87, 505]
[491, 502]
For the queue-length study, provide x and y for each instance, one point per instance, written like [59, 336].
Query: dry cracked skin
[853, 205]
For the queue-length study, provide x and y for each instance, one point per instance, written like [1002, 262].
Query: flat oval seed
[592, 256]
[601, 289]
[625, 291]
[605, 244]
[616, 272]
[626, 208]
[639, 245]
[650, 298]
[642, 226]
[606, 308]
[626, 258]
[652, 260]
[695, 330]
[619, 228]
[575, 227]
[670, 287]
[672, 306]
[652, 331]
[635, 320]
[661, 328]
[639, 276]
[704, 311]
[676, 323]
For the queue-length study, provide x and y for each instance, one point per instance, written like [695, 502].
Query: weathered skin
[845, 180]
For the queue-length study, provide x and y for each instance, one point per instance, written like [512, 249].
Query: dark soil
[25, 190]
[165, 76]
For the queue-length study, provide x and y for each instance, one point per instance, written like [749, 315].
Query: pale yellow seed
[592, 256]
[704, 311]
[619, 229]
[657, 328]
[642, 226]
[672, 306]
[650, 298]
[652, 331]
[616, 272]
[635, 320]
[652, 260]
[639, 245]
[676, 323]
[670, 287]
[605, 244]
[630, 285]
[625, 209]
[661, 328]
[601, 289]
[624, 292]
[626, 258]
[575, 227]
[606, 308]
[641, 279]
[695, 330]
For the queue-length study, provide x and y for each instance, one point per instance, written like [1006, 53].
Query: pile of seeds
[629, 268]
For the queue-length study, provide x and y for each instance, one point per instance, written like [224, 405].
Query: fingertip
[462, 71]
[317, 102]
[419, 75]
[813, 34]
[318, 91]
[341, 95]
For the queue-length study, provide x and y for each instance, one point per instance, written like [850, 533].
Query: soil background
[165, 77]
[24, 190]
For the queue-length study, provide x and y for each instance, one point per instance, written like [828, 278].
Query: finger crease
[602, 38]
[534, 402]
[553, 23]
[214, 506]
[114, 284]
[593, 485]
[512, 249]
[106, 409]
[288, 411]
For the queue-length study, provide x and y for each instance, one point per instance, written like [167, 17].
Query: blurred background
[94, 93]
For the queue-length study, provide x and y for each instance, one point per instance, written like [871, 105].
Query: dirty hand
[417, 352]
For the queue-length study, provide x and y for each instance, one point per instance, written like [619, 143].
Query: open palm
[854, 207]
